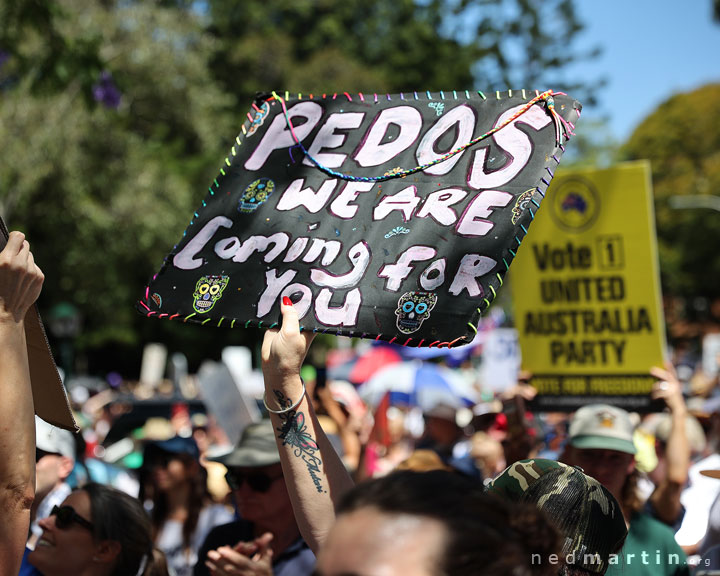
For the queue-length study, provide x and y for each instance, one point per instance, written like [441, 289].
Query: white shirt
[697, 499]
[170, 539]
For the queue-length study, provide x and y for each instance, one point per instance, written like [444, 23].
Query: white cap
[55, 440]
[442, 411]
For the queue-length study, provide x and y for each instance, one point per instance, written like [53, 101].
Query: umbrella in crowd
[360, 368]
[419, 384]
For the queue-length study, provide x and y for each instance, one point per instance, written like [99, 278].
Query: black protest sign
[392, 217]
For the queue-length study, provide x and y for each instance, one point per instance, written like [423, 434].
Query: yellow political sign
[586, 290]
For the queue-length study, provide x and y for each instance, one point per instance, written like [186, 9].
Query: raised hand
[20, 279]
[668, 388]
[284, 349]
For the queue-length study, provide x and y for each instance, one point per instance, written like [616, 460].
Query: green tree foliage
[116, 114]
[395, 45]
[103, 193]
[682, 141]
[31, 32]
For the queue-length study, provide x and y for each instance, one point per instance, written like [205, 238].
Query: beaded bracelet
[285, 410]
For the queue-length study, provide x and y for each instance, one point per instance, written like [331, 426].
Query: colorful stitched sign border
[391, 217]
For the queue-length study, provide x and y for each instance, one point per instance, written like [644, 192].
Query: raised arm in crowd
[20, 284]
[665, 499]
[307, 456]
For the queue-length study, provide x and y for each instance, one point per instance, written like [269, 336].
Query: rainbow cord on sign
[562, 127]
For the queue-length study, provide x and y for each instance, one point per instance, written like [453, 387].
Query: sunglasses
[65, 516]
[258, 481]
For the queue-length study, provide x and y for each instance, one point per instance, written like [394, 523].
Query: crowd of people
[318, 486]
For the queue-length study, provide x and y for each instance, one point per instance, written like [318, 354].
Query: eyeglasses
[65, 516]
[258, 481]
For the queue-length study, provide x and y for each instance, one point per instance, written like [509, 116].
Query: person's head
[255, 476]
[600, 441]
[423, 461]
[172, 463]
[97, 530]
[441, 426]
[488, 454]
[694, 432]
[54, 457]
[200, 433]
[174, 473]
[433, 524]
[585, 513]
[660, 426]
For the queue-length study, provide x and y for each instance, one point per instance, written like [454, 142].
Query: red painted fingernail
[287, 301]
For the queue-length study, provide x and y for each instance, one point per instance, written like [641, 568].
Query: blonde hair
[423, 461]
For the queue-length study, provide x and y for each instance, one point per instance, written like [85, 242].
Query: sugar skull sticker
[413, 309]
[208, 290]
[256, 194]
[259, 119]
[521, 204]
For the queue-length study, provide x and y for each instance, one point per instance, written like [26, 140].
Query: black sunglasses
[65, 516]
[258, 481]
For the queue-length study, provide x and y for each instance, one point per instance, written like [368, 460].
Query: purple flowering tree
[106, 92]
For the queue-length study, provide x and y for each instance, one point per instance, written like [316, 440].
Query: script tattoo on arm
[294, 433]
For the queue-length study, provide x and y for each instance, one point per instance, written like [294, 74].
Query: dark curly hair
[486, 535]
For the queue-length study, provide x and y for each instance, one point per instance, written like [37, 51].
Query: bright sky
[651, 50]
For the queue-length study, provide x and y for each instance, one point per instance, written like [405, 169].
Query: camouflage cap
[587, 516]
